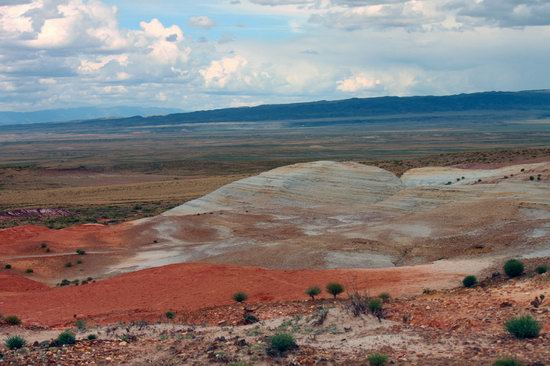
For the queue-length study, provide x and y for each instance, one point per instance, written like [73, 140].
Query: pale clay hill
[348, 215]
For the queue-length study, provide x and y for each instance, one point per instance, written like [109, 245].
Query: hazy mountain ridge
[79, 114]
[359, 107]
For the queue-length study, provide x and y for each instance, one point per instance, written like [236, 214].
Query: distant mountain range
[521, 103]
[79, 114]
[538, 100]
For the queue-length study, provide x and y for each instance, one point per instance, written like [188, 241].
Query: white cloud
[201, 22]
[220, 72]
[357, 83]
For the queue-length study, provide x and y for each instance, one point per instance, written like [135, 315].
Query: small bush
[68, 265]
[523, 327]
[15, 342]
[513, 268]
[79, 261]
[80, 252]
[385, 297]
[170, 315]
[64, 282]
[507, 362]
[335, 289]
[283, 342]
[240, 297]
[81, 325]
[250, 318]
[7, 266]
[92, 337]
[29, 270]
[313, 291]
[358, 304]
[377, 359]
[469, 281]
[65, 338]
[12, 320]
[375, 306]
[541, 269]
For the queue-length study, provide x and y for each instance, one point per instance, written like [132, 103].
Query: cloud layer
[60, 53]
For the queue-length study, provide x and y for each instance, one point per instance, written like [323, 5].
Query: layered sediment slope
[317, 215]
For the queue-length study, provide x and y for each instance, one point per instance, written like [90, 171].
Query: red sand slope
[189, 287]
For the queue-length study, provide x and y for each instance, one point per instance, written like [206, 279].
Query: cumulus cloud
[504, 13]
[357, 83]
[220, 72]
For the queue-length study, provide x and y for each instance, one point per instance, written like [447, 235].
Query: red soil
[185, 288]
[26, 239]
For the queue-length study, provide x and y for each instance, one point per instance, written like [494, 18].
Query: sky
[208, 54]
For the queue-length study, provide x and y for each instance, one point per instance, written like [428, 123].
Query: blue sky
[210, 54]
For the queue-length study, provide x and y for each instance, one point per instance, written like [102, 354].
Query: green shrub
[523, 327]
[250, 319]
[7, 266]
[170, 315]
[507, 362]
[469, 281]
[80, 252]
[283, 342]
[313, 291]
[79, 261]
[81, 325]
[29, 270]
[12, 320]
[240, 297]
[375, 306]
[64, 282]
[541, 269]
[385, 297]
[335, 289]
[377, 359]
[513, 268]
[15, 342]
[68, 265]
[92, 337]
[65, 338]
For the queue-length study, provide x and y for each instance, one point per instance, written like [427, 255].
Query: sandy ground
[143, 295]
[448, 327]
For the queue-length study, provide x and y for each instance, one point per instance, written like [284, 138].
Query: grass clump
[68, 265]
[81, 325]
[377, 359]
[385, 297]
[375, 306]
[240, 297]
[80, 252]
[469, 281]
[541, 269]
[12, 320]
[507, 362]
[29, 270]
[7, 266]
[65, 338]
[15, 342]
[282, 342]
[91, 337]
[313, 291]
[335, 289]
[523, 327]
[170, 314]
[513, 268]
